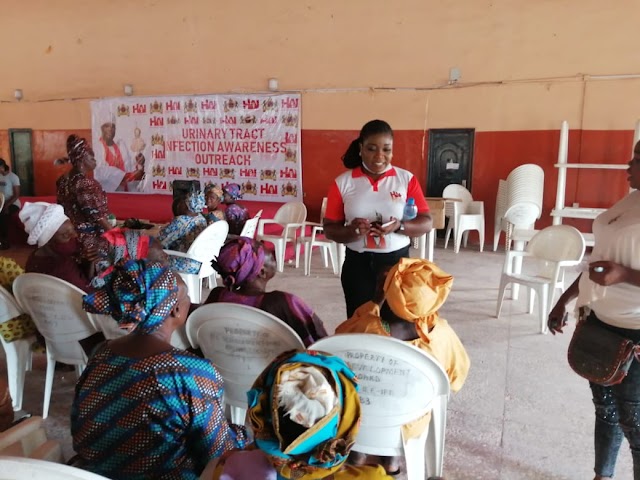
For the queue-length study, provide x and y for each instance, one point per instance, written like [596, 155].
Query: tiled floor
[522, 414]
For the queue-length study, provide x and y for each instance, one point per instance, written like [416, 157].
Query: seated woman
[414, 290]
[246, 266]
[186, 225]
[317, 395]
[235, 215]
[58, 252]
[142, 408]
[213, 196]
[133, 244]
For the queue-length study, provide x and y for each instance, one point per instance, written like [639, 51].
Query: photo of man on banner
[117, 170]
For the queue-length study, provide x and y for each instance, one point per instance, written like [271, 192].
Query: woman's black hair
[351, 158]
[177, 203]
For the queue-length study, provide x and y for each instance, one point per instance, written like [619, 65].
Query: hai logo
[395, 195]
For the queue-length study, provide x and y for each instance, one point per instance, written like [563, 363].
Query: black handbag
[600, 355]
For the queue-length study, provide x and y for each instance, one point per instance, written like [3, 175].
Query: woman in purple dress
[246, 266]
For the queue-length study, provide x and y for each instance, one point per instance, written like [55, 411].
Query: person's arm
[14, 196]
[607, 273]
[556, 320]
[412, 228]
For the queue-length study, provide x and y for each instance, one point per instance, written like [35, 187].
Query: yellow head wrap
[415, 289]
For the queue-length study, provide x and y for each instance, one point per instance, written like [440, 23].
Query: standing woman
[82, 197]
[611, 291]
[365, 208]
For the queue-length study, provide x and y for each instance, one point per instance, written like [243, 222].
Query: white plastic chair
[241, 341]
[17, 353]
[291, 217]
[28, 439]
[204, 248]
[551, 249]
[499, 223]
[398, 384]
[55, 307]
[250, 226]
[467, 215]
[14, 468]
[329, 248]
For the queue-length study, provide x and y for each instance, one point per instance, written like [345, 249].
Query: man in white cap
[116, 169]
[58, 250]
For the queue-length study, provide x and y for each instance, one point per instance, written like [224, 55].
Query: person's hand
[378, 229]
[607, 273]
[557, 318]
[92, 253]
[361, 226]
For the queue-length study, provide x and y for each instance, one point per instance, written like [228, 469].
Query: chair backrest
[14, 468]
[107, 325]
[398, 384]
[292, 212]
[557, 243]
[525, 184]
[501, 200]
[457, 191]
[250, 226]
[241, 341]
[207, 245]
[55, 307]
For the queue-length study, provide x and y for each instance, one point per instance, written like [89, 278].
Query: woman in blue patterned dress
[186, 225]
[142, 408]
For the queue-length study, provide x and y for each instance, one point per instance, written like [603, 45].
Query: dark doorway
[22, 159]
[450, 159]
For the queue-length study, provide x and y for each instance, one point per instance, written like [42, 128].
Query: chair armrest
[510, 257]
[294, 226]
[176, 253]
[262, 222]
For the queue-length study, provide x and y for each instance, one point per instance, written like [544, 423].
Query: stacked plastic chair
[521, 206]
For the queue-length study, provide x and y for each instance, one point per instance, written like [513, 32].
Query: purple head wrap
[234, 190]
[240, 261]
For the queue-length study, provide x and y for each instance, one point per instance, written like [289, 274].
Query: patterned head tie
[233, 190]
[136, 292]
[239, 261]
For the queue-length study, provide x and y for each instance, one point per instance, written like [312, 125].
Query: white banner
[142, 144]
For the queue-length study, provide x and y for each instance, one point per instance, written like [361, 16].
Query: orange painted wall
[526, 66]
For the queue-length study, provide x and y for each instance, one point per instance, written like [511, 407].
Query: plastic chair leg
[238, 415]
[414, 454]
[434, 451]
[465, 238]
[501, 292]
[279, 247]
[325, 260]
[48, 384]
[16, 366]
[332, 256]
[447, 235]
[531, 295]
[496, 240]
[481, 235]
[543, 307]
[308, 250]
[458, 239]
[298, 247]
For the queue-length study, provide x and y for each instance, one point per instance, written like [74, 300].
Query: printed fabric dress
[84, 202]
[156, 417]
[181, 232]
[287, 307]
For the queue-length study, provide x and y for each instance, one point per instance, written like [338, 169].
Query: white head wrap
[306, 395]
[41, 221]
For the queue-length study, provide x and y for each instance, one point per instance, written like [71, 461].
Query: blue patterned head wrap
[136, 292]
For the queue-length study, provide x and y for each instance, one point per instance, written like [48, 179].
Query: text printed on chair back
[241, 341]
[398, 384]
